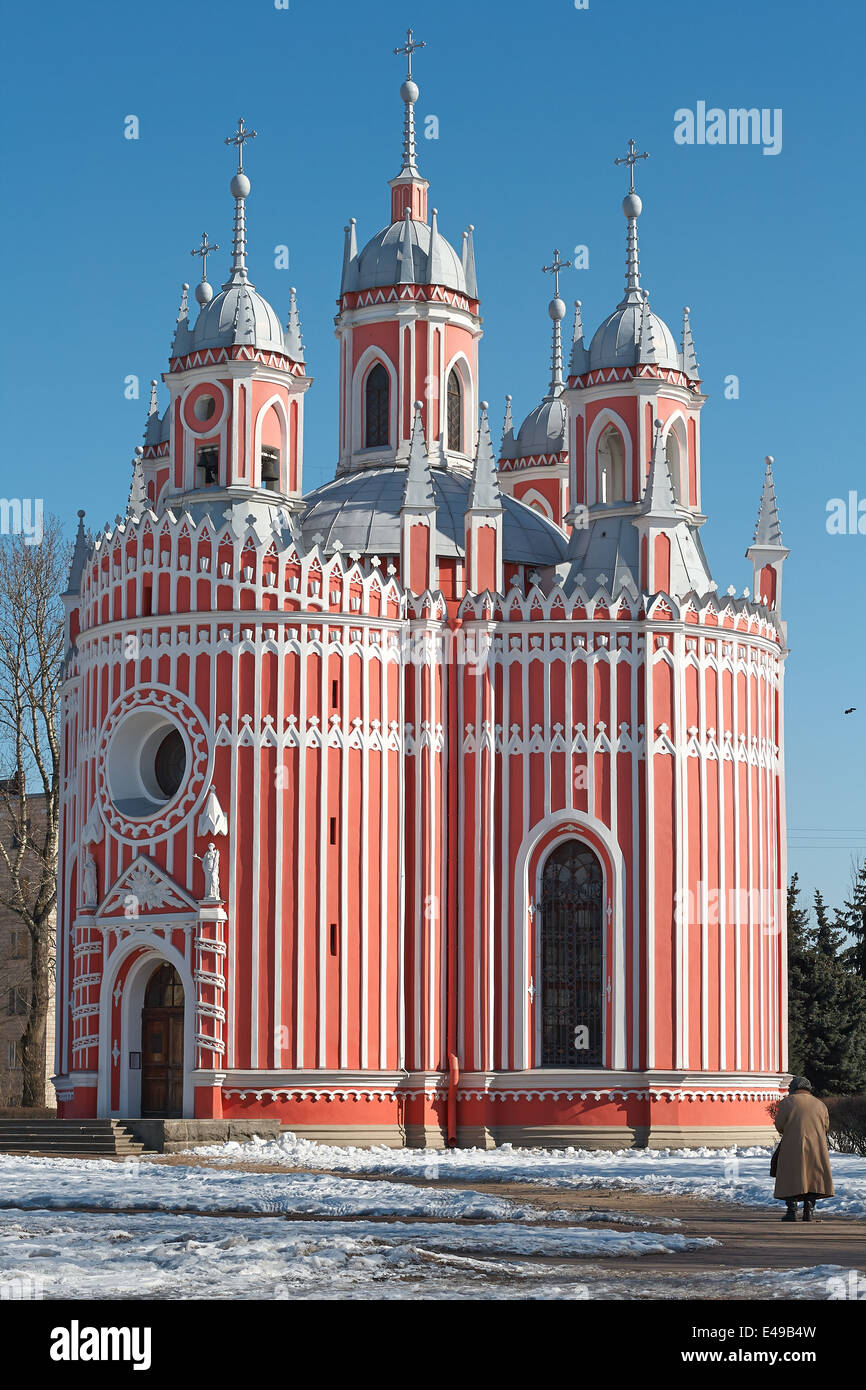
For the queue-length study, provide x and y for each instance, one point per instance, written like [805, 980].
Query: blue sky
[533, 102]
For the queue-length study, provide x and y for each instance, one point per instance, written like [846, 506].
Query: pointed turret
[483, 520]
[579, 360]
[350, 256]
[507, 427]
[418, 515]
[468, 261]
[153, 424]
[294, 341]
[658, 498]
[646, 351]
[767, 553]
[688, 356]
[138, 501]
[79, 559]
[181, 339]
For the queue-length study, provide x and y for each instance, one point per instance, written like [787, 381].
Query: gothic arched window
[377, 408]
[611, 466]
[570, 921]
[455, 411]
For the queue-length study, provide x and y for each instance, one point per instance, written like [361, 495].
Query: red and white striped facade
[385, 748]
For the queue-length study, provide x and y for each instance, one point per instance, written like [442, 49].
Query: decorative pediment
[141, 890]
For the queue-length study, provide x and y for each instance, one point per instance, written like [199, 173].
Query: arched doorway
[571, 944]
[162, 1044]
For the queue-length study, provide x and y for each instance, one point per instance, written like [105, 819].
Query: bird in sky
[850, 711]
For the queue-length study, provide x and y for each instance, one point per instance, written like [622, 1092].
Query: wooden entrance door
[162, 1045]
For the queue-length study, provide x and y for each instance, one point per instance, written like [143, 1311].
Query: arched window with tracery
[570, 921]
[611, 466]
[454, 402]
[377, 408]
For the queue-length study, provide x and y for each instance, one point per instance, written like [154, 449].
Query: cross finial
[554, 270]
[631, 160]
[239, 139]
[204, 251]
[409, 48]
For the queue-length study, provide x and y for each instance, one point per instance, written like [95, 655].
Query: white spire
[294, 342]
[484, 494]
[240, 187]
[646, 350]
[138, 500]
[557, 310]
[688, 356]
[768, 530]
[418, 492]
[409, 92]
[182, 318]
[658, 499]
[632, 208]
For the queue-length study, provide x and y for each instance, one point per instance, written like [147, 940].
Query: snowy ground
[736, 1175]
[96, 1229]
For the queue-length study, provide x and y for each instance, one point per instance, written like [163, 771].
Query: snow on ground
[736, 1175]
[98, 1255]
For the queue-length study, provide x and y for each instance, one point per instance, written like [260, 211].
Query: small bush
[847, 1124]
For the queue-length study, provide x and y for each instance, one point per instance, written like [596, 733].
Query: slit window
[333, 938]
[332, 830]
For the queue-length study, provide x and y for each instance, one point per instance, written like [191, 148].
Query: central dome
[407, 252]
[362, 512]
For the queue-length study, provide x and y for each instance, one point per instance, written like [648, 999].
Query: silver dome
[615, 342]
[408, 252]
[361, 510]
[544, 429]
[238, 314]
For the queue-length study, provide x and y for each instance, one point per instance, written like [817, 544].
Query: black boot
[808, 1208]
[791, 1212]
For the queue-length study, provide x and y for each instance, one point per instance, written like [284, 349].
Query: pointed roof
[768, 530]
[688, 356]
[579, 360]
[468, 262]
[79, 557]
[180, 336]
[418, 492]
[138, 499]
[658, 499]
[294, 342]
[484, 494]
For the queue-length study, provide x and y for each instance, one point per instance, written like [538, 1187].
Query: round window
[147, 762]
[204, 407]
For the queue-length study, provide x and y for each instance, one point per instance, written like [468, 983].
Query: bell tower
[408, 325]
[236, 383]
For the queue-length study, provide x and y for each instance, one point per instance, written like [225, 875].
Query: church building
[443, 804]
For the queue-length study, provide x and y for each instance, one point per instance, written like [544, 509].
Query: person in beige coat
[803, 1163]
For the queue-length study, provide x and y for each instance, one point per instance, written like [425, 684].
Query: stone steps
[82, 1137]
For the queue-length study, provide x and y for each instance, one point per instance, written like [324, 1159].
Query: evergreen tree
[831, 1024]
[852, 919]
[799, 980]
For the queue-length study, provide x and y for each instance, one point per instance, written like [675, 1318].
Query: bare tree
[32, 577]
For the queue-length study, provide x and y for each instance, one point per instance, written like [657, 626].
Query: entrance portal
[162, 1045]
[572, 955]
